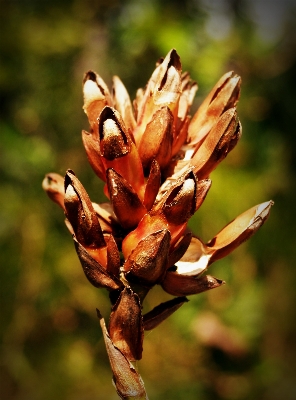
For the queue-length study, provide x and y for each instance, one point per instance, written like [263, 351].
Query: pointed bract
[125, 201]
[161, 312]
[238, 231]
[118, 150]
[53, 184]
[222, 97]
[149, 260]
[122, 103]
[96, 97]
[186, 285]
[156, 142]
[128, 382]
[96, 273]
[92, 147]
[81, 214]
[152, 185]
[126, 325]
[218, 143]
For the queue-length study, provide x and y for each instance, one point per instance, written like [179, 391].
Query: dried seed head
[156, 161]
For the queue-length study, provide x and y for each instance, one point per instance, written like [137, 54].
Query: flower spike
[156, 161]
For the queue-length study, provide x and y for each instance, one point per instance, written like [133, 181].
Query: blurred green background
[236, 342]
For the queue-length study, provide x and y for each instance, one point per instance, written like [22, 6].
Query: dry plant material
[156, 163]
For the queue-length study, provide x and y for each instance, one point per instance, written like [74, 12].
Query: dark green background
[52, 343]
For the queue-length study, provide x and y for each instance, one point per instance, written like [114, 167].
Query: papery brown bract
[185, 285]
[149, 260]
[125, 201]
[81, 214]
[157, 139]
[96, 273]
[128, 382]
[222, 97]
[238, 231]
[161, 312]
[53, 184]
[126, 325]
[152, 185]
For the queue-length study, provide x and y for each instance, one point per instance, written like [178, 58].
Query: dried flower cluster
[155, 161]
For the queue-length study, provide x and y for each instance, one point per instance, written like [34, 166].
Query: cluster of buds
[155, 161]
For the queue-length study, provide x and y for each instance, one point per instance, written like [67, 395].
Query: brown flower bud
[186, 285]
[148, 225]
[167, 81]
[96, 97]
[218, 143]
[179, 208]
[92, 147]
[161, 312]
[126, 325]
[97, 275]
[188, 91]
[163, 89]
[119, 151]
[128, 382]
[126, 203]
[113, 138]
[113, 257]
[202, 190]
[122, 103]
[156, 142]
[152, 185]
[83, 218]
[178, 203]
[149, 260]
[222, 97]
[53, 184]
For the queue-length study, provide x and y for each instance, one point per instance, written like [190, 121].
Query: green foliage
[52, 344]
